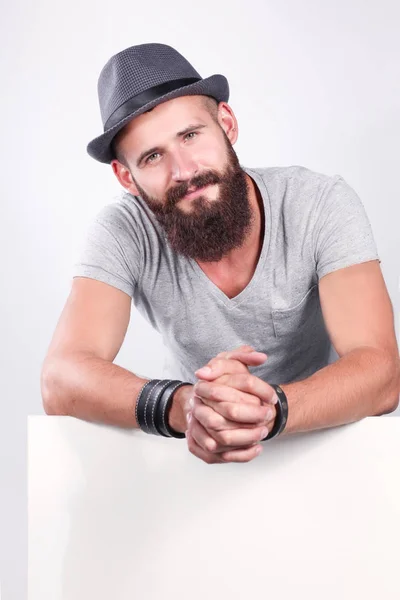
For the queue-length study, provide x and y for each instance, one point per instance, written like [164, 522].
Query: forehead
[167, 118]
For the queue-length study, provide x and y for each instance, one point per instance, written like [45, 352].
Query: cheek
[211, 156]
[155, 183]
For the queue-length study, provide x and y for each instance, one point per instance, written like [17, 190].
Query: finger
[228, 438]
[238, 382]
[242, 455]
[221, 391]
[213, 420]
[218, 419]
[236, 363]
[201, 437]
[198, 451]
[244, 348]
[240, 412]
[249, 358]
[231, 439]
[206, 441]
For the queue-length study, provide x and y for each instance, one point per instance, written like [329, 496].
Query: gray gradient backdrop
[313, 84]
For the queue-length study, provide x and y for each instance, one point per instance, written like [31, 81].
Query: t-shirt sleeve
[109, 253]
[342, 234]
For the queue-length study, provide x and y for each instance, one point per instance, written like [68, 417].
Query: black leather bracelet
[141, 404]
[282, 411]
[153, 406]
[160, 416]
[167, 409]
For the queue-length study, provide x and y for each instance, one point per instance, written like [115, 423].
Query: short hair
[210, 104]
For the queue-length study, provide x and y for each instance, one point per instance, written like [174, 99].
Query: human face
[194, 153]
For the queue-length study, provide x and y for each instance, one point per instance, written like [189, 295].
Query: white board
[117, 514]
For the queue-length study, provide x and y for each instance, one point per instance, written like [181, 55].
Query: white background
[312, 83]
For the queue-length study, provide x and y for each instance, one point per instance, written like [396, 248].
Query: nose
[183, 167]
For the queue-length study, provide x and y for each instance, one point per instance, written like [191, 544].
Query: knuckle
[234, 412]
[226, 438]
[265, 414]
[207, 420]
[241, 380]
[216, 392]
[250, 383]
[257, 434]
[198, 403]
[245, 398]
[212, 422]
[210, 445]
[211, 389]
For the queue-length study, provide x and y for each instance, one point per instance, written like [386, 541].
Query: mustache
[179, 191]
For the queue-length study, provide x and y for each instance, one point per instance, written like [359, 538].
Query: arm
[78, 376]
[365, 380]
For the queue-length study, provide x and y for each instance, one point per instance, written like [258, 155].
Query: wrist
[180, 408]
[281, 413]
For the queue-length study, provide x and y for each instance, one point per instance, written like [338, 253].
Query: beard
[209, 229]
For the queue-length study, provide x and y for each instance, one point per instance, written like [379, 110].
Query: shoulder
[123, 212]
[127, 216]
[293, 188]
[293, 177]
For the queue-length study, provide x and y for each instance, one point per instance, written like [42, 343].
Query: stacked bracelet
[153, 406]
[282, 411]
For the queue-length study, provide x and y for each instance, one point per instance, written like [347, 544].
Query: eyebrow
[143, 155]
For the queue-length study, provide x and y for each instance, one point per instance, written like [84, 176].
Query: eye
[149, 157]
[191, 133]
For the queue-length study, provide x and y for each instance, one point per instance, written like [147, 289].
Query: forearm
[364, 382]
[90, 388]
[93, 389]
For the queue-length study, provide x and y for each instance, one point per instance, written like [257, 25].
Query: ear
[228, 121]
[123, 174]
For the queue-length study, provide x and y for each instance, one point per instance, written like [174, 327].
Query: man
[217, 256]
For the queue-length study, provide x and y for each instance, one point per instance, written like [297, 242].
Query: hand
[228, 417]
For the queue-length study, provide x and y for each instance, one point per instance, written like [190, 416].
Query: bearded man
[264, 283]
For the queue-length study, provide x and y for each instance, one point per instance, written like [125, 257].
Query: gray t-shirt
[314, 224]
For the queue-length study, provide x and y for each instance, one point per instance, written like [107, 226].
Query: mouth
[196, 192]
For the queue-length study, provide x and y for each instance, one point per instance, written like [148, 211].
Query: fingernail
[191, 402]
[203, 371]
[259, 450]
[189, 417]
[274, 399]
[264, 433]
[268, 415]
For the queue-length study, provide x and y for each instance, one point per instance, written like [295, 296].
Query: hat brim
[216, 86]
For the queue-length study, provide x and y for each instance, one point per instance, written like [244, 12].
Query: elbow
[51, 399]
[391, 398]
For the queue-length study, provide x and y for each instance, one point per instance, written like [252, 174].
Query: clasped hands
[230, 410]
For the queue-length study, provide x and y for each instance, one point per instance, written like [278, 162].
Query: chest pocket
[305, 317]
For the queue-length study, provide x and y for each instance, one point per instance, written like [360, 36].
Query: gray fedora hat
[137, 79]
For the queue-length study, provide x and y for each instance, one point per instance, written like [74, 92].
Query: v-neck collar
[242, 296]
